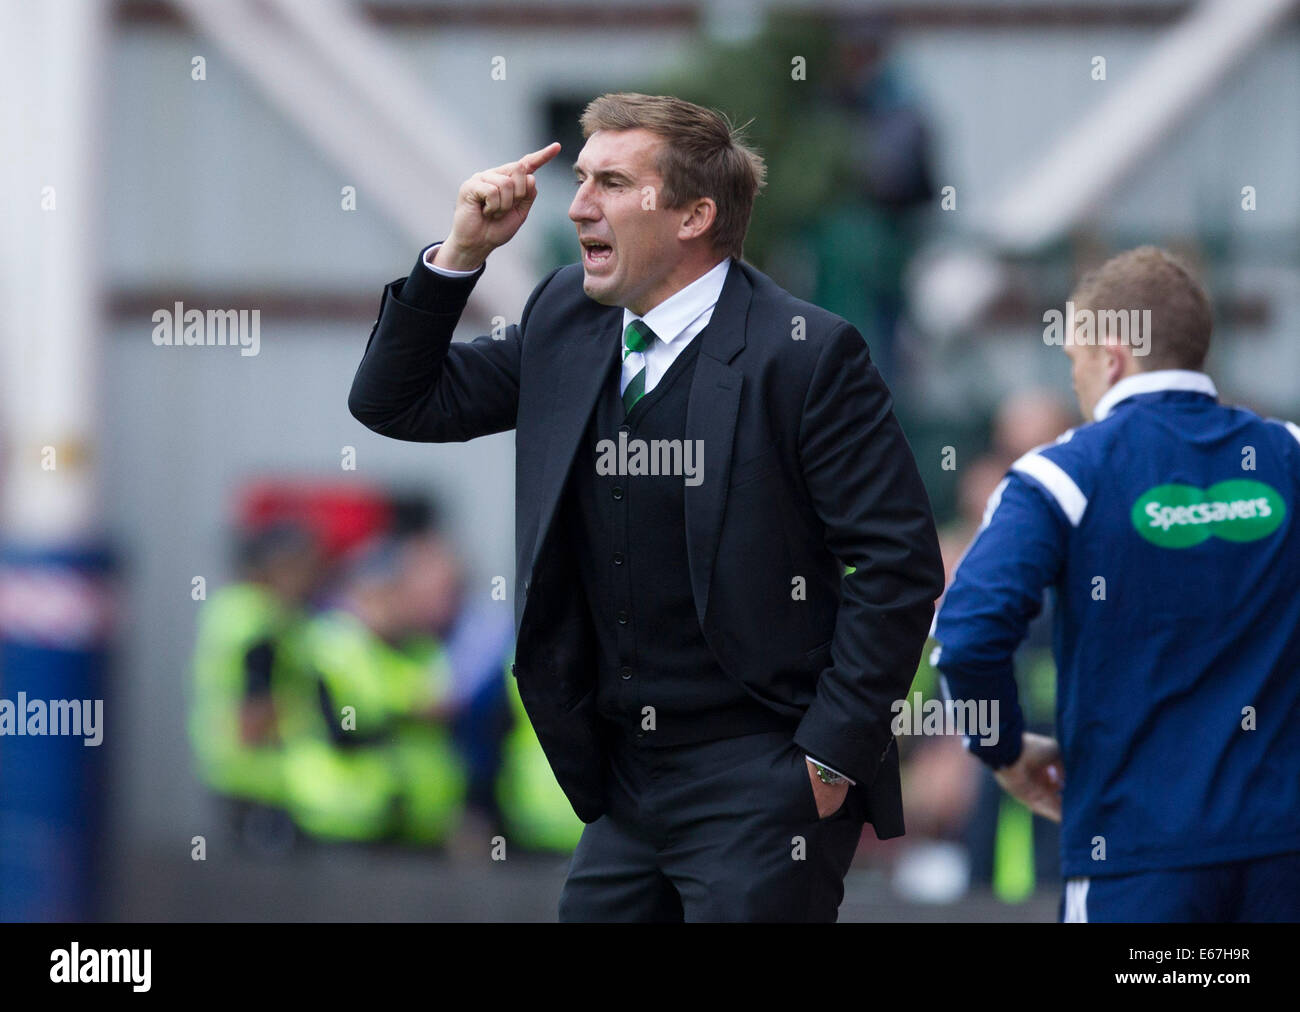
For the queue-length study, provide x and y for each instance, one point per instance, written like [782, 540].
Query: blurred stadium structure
[956, 165]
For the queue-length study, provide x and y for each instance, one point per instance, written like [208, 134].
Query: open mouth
[596, 253]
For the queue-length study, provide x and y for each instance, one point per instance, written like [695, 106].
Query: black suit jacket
[805, 470]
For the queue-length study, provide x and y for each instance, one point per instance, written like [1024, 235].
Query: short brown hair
[1153, 278]
[702, 155]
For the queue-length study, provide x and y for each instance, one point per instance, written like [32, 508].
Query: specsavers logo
[1179, 516]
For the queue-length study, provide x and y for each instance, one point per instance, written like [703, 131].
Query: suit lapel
[583, 364]
[711, 414]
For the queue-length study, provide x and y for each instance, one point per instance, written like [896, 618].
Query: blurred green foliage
[794, 124]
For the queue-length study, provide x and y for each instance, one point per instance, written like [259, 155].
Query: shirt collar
[670, 319]
[1156, 381]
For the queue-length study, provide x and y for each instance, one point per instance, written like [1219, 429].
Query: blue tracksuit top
[1167, 533]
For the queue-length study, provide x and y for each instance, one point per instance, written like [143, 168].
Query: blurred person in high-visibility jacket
[477, 635]
[536, 814]
[247, 656]
[372, 757]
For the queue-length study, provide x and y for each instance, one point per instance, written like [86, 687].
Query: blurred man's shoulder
[1066, 464]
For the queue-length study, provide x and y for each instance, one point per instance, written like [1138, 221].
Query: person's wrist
[824, 773]
[456, 258]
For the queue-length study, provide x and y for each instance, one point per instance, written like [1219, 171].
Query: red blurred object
[340, 515]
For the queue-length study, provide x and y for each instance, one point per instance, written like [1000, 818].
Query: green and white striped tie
[636, 338]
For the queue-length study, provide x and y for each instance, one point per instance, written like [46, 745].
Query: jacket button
[626, 672]
[622, 618]
[618, 558]
[618, 492]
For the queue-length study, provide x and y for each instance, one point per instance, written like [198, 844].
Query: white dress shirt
[675, 321]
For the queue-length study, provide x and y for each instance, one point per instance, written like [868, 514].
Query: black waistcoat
[630, 534]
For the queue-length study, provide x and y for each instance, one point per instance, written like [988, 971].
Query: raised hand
[490, 208]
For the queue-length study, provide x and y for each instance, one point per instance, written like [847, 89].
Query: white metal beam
[333, 76]
[1094, 154]
[51, 265]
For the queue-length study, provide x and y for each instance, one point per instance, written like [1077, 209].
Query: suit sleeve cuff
[431, 251]
[436, 289]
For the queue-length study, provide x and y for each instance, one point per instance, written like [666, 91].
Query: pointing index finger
[533, 162]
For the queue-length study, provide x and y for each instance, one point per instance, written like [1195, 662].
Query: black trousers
[725, 830]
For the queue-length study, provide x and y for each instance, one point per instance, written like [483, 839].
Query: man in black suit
[699, 455]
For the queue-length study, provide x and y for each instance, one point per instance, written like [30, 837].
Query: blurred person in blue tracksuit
[1165, 529]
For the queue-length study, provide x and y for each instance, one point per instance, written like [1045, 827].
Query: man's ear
[1119, 362]
[703, 213]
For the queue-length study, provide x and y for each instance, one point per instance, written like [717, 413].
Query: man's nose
[583, 207]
